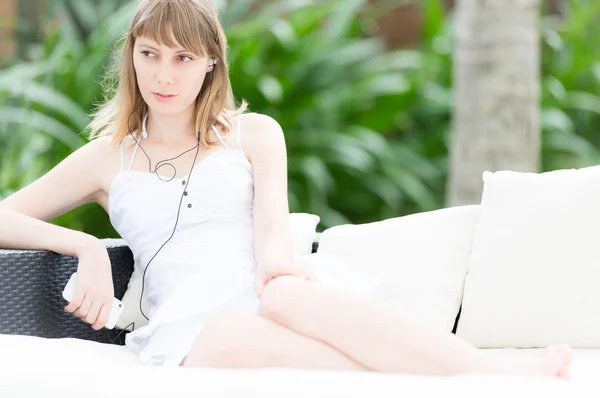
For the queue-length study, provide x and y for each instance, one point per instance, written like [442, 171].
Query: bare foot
[564, 371]
[553, 362]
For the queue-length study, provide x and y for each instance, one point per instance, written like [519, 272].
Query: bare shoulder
[107, 162]
[261, 134]
[101, 147]
[103, 157]
[260, 124]
[98, 147]
[95, 150]
[76, 180]
[100, 162]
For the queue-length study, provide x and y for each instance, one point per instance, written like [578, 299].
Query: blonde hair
[195, 25]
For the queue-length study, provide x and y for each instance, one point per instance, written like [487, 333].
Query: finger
[260, 285]
[75, 303]
[311, 276]
[295, 271]
[102, 317]
[84, 308]
[92, 314]
[265, 281]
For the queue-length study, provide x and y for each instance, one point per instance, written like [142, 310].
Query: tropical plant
[571, 85]
[332, 86]
[367, 129]
[340, 98]
[46, 101]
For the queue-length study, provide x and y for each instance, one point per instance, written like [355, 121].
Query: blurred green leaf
[37, 121]
[433, 12]
[51, 99]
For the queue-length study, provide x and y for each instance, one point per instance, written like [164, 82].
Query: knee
[280, 297]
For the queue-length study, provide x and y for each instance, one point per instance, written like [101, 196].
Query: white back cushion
[420, 260]
[535, 268]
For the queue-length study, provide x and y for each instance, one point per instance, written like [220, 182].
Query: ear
[211, 65]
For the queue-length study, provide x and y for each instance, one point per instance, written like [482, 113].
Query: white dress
[208, 265]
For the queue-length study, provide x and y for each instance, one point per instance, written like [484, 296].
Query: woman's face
[169, 79]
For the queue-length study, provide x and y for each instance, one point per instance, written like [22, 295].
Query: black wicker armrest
[31, 285]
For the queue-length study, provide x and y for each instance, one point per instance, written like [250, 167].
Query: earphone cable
[187, 181]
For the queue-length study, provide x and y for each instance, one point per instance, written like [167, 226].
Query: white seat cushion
[67, 368]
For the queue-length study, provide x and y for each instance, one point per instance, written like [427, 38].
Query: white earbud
[212, 62]
[144, 132]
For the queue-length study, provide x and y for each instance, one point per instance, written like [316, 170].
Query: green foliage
[571, 86]
[341, 99]
[334, 89]
[47, 103]
[366, 128]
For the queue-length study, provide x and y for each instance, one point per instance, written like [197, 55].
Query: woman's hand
[94, 291]
[266, 273]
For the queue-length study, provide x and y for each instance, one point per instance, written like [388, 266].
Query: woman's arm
[267, 153]
[273, 244]
[24, 214]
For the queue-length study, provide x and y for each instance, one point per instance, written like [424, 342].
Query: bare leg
[385, 339]
[235, 339]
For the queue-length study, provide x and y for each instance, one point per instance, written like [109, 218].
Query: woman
[205, 212]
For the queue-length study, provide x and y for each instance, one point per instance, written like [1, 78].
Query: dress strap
[219, 136]
[122, 155]
[144, 134]
[238, 137]
[137, 144]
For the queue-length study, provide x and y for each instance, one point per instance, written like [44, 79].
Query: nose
[164, 74]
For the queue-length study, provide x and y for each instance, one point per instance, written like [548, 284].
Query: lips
[163, 97]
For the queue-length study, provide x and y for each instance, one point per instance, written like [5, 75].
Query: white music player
[115, 311]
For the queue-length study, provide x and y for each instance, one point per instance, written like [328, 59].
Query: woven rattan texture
[31, 285]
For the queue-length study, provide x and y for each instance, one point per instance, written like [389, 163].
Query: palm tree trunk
[496, 77]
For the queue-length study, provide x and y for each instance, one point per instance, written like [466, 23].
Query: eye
[146, 53]
[182, 58]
